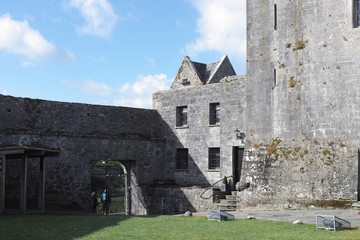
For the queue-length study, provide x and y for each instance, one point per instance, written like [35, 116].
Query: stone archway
[112, 175]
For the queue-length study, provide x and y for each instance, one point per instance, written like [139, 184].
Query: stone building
[205, 114]
[289, 128]
[302, 109]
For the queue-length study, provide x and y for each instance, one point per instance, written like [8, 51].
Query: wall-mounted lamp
[239, 134]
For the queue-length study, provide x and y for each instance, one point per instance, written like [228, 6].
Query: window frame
[214, 114]
[214, 158]
[182, 159]
[356, 13]
[182, 116]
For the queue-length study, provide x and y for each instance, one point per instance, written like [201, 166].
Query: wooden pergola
[24, 153]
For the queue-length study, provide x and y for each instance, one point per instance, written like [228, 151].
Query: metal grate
[333, 223]
[219, 215]
[214, 158]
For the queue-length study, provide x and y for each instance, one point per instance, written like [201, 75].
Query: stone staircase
[227, 204]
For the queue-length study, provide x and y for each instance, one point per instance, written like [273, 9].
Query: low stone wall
[176, 199]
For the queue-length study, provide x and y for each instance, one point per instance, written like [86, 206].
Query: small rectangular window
[356, 13]
[214, 114]
[182, 158]
[274, 77]
[181, 116]
[214, 158]
[275, 16]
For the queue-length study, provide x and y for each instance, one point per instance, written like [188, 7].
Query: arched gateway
[112, 175]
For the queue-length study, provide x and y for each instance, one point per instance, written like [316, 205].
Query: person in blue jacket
[105, 202]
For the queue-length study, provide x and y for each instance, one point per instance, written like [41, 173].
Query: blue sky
[112, 52]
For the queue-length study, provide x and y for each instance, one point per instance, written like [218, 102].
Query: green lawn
[68, 227]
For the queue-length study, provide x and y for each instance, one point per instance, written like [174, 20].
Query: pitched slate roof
[207, 72]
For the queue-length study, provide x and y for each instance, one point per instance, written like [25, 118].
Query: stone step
[355, 205]
[230, 197]
[225, 207]
[228, 201]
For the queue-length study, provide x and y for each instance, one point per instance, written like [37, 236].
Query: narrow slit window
[275, 16]
[356, 12]
[274, 77]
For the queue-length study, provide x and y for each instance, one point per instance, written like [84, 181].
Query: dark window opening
[182, 158]
[356, 13]
[185, 81]
[274, 77]
[181, 116]
[275, 16]
[214, 158]
[214, 113]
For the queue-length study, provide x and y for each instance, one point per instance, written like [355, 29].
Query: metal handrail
[201, 195]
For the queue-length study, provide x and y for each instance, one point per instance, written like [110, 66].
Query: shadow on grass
[76, 227]
[56, 226]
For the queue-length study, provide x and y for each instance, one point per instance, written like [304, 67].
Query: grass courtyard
[74, 227]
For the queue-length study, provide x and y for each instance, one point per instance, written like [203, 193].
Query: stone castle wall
[302, 90]
[83, 133]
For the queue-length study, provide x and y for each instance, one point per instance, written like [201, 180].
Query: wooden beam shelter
[24, 153]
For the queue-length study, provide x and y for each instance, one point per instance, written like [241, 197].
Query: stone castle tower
[303, 97]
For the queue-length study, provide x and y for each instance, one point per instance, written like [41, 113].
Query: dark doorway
[109, 175]
[238, 154]
[358, 173]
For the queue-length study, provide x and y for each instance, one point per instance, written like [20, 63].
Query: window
[275, 16]
[185, 81]
[181, 116]
[214, 114]
[356, 9]
[181, 158]
[274, 77]
[214, 158]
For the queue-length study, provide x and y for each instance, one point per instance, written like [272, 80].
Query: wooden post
[358, 173]
[42, 184]
[2, 183]
[127, 194]
[23, 185]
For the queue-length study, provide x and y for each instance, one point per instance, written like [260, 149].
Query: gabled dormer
[187, 75]
[196, 74]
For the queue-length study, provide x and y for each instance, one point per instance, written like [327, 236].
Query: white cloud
[221, 27]
[99, 15]
[125, 87]
[150, 83]
[139, 94]
[92, 87]
[19, 38]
